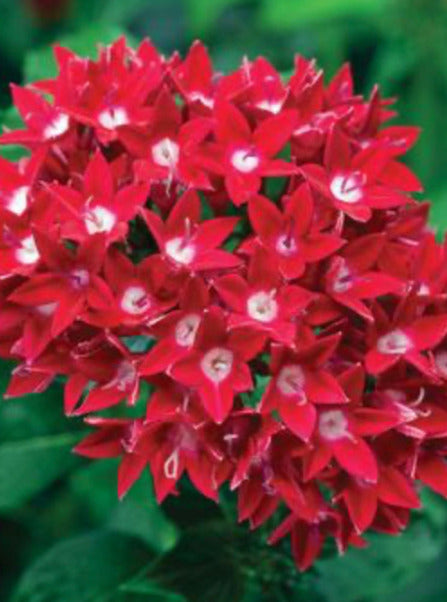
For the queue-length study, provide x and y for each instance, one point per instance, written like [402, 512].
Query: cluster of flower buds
[241, 258]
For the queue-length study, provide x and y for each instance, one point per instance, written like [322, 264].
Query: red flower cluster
[249, 250]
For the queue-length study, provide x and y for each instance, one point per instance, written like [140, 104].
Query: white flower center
[286, 245]
[262, 306]
[57, 127]
[18, 200]
[217, 363]
[333, 425]
[125, 376]
[424, 289]
[348, 188]
[99, 219]
[135, 300]
[186, 330]
[395, 341]
[441, 362]
[165, 153]
[182, 438]
[245, 160]
[171, 464]
[205, 100]
[27, 253]
[270, 105]
[291, 381]
[79, 278]
[343, 280]
[113, 117]
[179, 250]
[46, 309]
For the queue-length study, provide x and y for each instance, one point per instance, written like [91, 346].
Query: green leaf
[10, 119]
[28, 466]
[204, 566]
[191, 508]
[142, 585]
[388, 565]
[40, 63]
[36, 441]
[438, 213]
[138, 514]
[88, 568]
[110, 12]
[283, 14]
[253, 398]
[203, 15]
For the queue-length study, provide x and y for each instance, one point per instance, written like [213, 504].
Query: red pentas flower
[96, 208]
[45, 123]
[291, 236]
[262, 301]
[356, 183]
[167, 152]
[216, 366]
[68, 281]
[405, 337]
[299, 381]
[111, 93]
[240, 258]
[187, 242]
[242, 156]
[177, 329]
[351, 279]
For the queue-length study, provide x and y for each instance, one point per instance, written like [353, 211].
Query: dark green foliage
[87, 568]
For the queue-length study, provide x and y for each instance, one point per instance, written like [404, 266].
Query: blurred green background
[63, 535]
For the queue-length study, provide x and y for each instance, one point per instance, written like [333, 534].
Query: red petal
[356, 457]
[300, 419]
[217, 400]
[374, 284]
[432, 471]
[317, 459]
[231, 125]
[187, 371]
[130, 469]
[300, 207]
[274, 133]
[265, 218]
[161, 357]
[361, 502]
[215, 259]
[278, 168]
[155, 225]
[376, 362]
[67, 311]
[322, 387]
[233, 291]
[427, 332]
[73, 390]
[395, 489]
[212, 233]
[369, 421]
[186, 208]
[247, 342]
[104, 443]
[250, 495]
[397, 175]
[98, 180]
[337, 155]
[201, 472]
[241, 187]
[99, 399]
[307, 541]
